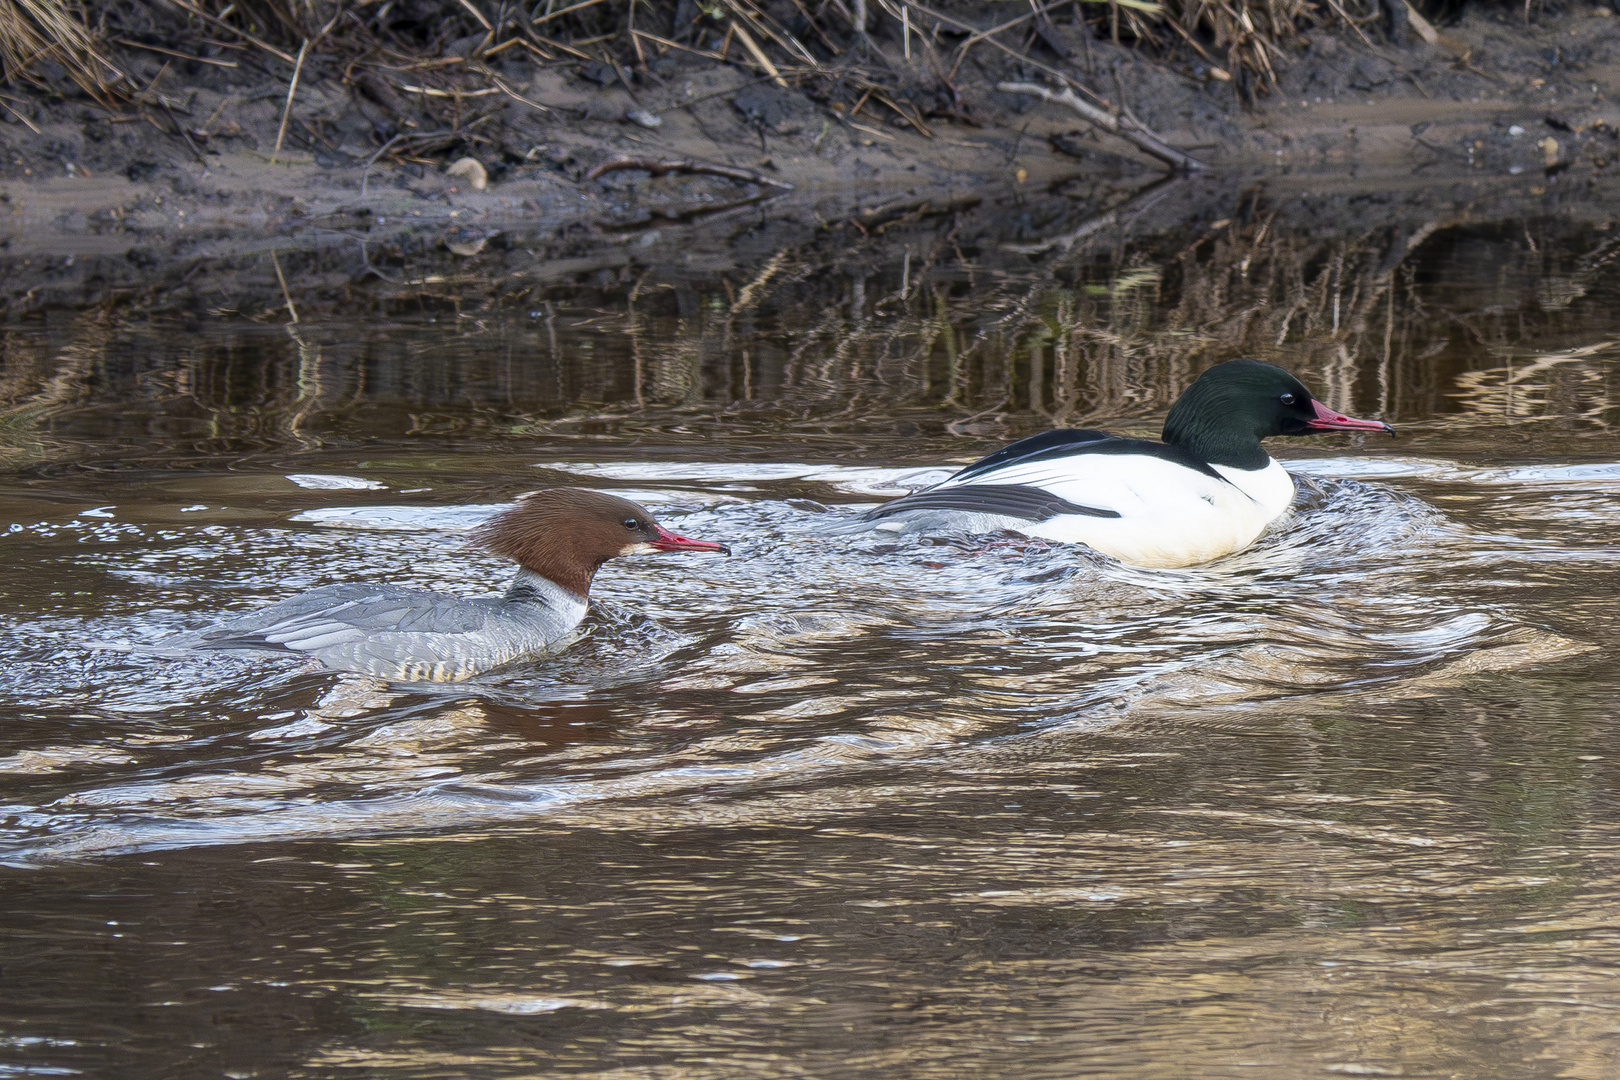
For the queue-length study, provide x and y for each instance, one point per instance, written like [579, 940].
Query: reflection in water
[1341, 804]
[1408, 314]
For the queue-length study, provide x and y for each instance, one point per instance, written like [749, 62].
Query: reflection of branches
[843, 332]
[660, 166]
[1526, 390]
[1138, 201]
[66, 384]
[854, 330]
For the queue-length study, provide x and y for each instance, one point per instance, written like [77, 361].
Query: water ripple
[695, 678]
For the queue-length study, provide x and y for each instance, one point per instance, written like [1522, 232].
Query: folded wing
[1004, 500]
[341, 615]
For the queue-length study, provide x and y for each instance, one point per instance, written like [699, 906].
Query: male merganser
[1207, 490]
[559, 538]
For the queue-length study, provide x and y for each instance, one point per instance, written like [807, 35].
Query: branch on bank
[660, 166]
[1142, 138]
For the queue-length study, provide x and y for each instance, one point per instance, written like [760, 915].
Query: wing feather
[1004, 500]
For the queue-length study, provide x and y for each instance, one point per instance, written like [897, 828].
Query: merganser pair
[1207, 490]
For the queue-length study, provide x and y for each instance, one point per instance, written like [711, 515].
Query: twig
[975, 38]
[479, 15]
[292, 88]
[791, 44]
[815, 25]
[1215, 70]
[21, 117]
[759, 57]
[181, 131]
[624, 78]
[630, 24]
[871, 131]
[707, 213]
[432, 92]
[707, 97]
[367, 268]
[564, 11]
[365, 171]
[208, 125]
[171, 52]
[285, 295]
[710, 53]
[502, 47]
[907, 117]
[1140, 199]
[875, 216]
[660, 166]
[222, 24]
[1053, 73]
[1139, 136]
[515, 96]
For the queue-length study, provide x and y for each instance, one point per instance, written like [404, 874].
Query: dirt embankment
[567, 159]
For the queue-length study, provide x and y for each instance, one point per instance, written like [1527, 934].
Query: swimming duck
[559, 538]
[1209, 489]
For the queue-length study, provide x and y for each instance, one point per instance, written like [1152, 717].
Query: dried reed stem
[759, 55]
[292, 88]
[285, 295]
[191, 9]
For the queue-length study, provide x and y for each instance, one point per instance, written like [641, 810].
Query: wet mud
[187, 203]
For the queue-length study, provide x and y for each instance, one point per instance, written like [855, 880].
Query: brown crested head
[566, 534]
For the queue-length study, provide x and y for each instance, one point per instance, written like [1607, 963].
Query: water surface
[1342, 804]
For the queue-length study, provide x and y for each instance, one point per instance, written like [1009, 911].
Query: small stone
[467, 240]
[471, 168]
[644, 118]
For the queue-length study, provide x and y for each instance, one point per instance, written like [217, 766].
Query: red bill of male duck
[1207, 490]
[559, 538]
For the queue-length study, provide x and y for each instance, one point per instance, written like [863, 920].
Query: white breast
[1169, 515]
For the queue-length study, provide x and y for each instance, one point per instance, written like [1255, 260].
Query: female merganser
[559, 539]
[1207, 490]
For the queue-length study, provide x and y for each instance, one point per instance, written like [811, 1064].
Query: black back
[1072, 442]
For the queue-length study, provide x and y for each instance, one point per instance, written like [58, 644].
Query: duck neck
[536, 591]
[1213, 437]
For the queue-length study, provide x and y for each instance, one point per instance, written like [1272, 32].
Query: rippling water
[1342, 804]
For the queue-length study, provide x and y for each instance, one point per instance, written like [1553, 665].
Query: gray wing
[339, 615]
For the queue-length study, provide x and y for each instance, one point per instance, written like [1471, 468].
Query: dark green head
[1229, 408]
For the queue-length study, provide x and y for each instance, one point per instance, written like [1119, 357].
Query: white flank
[1169, 515]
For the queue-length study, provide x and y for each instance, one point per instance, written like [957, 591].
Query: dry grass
[37, 34]
[1246, 39]
[1248, 35]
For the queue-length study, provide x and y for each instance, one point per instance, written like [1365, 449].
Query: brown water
[1342, 805]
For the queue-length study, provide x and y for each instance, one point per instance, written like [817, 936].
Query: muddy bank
[1448, 306]
[184, 203]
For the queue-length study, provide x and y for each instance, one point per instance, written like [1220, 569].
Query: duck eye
[632, 524]
[1288, 399]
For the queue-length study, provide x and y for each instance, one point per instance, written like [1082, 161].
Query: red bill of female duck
[558, 538]
[1208, 490]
